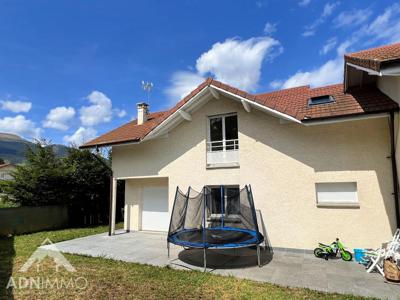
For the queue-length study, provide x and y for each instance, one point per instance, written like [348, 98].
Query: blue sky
[71, 70]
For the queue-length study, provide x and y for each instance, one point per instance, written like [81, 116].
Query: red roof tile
[375, 58]
[129, 132]
[292, 102]
[362, 100]
[6, 165]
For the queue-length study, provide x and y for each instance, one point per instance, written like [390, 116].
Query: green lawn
[4, 204]
[109, 279]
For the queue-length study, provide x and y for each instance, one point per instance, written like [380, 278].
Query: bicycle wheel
[318, 252]
[346, 255]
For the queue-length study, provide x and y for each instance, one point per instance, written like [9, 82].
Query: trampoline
[215, 218]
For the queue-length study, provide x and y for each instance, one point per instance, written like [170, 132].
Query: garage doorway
[155, 214]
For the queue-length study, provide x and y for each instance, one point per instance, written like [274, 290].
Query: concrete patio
[282, 268]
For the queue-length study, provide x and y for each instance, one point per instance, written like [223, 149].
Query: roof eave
[346, 118]
[108, 144]
[160, 127]
[259, 106]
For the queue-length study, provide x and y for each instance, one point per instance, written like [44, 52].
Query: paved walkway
[287, 269]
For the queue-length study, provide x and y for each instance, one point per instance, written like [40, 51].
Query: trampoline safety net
[214, 218]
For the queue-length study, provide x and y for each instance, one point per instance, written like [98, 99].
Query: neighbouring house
[321, 161]
[6, 170]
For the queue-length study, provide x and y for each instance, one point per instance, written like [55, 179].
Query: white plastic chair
[377, 257]
[376, 260]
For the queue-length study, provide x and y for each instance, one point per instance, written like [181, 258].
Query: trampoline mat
[216, 237]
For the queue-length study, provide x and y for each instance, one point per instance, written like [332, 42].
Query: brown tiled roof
[357, 101]
[292, 102]
[129, 132]
[287, 101]
[375, 58]
[6, 165]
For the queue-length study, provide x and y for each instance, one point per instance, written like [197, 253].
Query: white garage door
[155, 209]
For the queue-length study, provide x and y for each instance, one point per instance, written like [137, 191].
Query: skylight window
[320, 100]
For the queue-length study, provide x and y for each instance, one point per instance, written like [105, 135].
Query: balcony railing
[225, 152]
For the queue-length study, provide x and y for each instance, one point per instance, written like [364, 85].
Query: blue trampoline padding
[217, 237]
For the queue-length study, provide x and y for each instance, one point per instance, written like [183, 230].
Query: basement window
[337, 194]
[320, 100]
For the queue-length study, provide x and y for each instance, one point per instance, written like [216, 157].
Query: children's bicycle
[332, 250]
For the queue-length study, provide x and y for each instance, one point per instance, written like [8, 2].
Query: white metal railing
[224, 145]
[223, 152]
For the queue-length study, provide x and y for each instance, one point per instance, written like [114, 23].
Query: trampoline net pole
[186, 207]
[204, 259]
[173, 209]
[222, 206]
[204, 216]
[253, 209]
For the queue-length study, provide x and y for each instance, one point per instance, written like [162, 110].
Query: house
[5, 171]
[321, 161]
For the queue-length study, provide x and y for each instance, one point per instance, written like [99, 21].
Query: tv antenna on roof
[147, 86]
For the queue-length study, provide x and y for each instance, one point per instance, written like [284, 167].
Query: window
[225, 200]
[337, 194]
[320, 100]
[223, 133]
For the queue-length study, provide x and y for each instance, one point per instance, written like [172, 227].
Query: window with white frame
[223, 133]
[225, 200]
[336, 193]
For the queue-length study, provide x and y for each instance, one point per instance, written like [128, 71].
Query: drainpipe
[394, 168]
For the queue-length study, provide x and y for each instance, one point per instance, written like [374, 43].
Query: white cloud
[80, 136]
[384, 28]
[16, 106]
[182, 83]
[276, 84]
[270, 28]
[59, 117]
[329, 45]
[100, 110]
[328, 9]
[304, 2]
[352, 18]
[326, 12]
[20, 126]
[329, 73]
[309, 32]
[120, 113]
[236, 62]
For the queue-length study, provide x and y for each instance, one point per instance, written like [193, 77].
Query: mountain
[13, 147]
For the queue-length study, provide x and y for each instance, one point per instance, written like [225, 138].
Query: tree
[81, 180]
[90, 188]
[42, 180]
[2, 162]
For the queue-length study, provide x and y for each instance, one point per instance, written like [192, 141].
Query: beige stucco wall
[282, 162]
[390, 85]
[134, 201]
